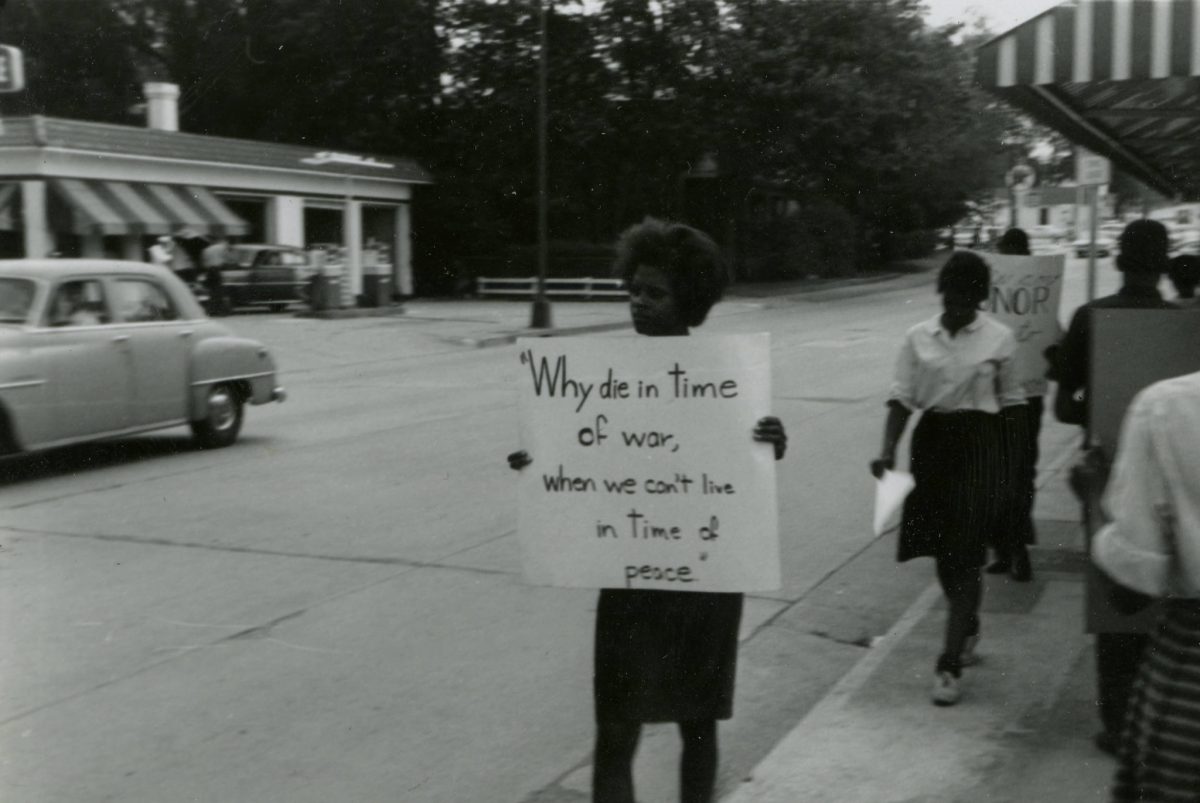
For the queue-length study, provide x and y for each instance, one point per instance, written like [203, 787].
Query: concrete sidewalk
[1023, 729]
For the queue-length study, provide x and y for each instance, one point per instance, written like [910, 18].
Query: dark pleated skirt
[1020, 428]
[953, 512]
[665, 656]
[1160, 747]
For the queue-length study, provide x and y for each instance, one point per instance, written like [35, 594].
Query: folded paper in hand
[890, 492]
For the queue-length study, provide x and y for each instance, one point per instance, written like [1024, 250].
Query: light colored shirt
[215, 255]
[1152, 544]
[973, 370]
[161, 255]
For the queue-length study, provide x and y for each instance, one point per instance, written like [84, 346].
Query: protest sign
[1131, 349]
[644, 472]
[1025, 297]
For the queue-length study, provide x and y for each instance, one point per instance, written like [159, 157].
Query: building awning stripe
[137, 208]
[219, 212]
[118, 207]
[177, 206]
[91, 213]
[8, 207]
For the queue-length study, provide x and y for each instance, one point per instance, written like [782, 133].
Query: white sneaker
[945, 689]
[968, 656]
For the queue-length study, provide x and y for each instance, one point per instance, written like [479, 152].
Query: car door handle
[186, 333]
[120, 338]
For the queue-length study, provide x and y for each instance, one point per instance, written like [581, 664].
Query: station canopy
[1119, 77]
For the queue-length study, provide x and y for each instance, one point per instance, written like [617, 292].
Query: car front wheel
[222, 419]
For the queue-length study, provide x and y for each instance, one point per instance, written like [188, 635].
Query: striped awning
[9, 216]
[1120, 77]
[119, 207]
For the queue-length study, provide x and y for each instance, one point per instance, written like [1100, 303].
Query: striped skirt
[952, 513]
[1160, 748]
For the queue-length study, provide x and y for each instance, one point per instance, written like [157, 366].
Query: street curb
[389, 311]
[507, 338]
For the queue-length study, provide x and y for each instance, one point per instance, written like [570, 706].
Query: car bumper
[278, 394]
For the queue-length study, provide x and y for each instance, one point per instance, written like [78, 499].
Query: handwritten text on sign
[644, 473]
[1025, 297]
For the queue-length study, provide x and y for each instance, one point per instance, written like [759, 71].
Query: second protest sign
[644, 472]
[1025, 296]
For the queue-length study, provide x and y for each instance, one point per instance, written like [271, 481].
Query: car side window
[140, 300]
[79, 302]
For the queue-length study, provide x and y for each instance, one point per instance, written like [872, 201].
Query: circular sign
[1020, 177]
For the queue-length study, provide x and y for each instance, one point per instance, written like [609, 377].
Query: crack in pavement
[276, 553]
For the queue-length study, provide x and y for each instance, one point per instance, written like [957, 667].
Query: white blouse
[973, 370]
[1152, 544]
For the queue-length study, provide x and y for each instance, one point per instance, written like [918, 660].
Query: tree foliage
[859, 105]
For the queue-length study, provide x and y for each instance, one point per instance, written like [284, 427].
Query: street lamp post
[540, 317]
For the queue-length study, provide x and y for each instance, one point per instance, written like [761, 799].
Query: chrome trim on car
[24, 383]
[279, 395]
[116, 433]
[201, 382]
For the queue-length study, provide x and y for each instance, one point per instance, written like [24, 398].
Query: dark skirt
[1020, 427]
[1160, 747]
[665, 656]
[953, 512]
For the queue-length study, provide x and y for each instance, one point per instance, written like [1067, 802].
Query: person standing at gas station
[213, 258]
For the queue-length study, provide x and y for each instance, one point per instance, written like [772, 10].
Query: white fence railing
[585, 288]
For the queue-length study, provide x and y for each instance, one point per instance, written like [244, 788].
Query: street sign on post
[1090, 172]
[12, 69]
[1021, 176]
[1091, 169]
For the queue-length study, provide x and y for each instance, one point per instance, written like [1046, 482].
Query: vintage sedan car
[1105, 246]
[94, 348]
[266, 275]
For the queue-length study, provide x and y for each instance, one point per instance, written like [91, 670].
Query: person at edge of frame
[665, 656]
[1184, 273]
[1141, 259]
[1150, 547]
[1016, 531]
[957, 368]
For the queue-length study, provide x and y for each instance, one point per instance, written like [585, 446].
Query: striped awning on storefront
[119, 207]
[9, 217]
[1120, 77]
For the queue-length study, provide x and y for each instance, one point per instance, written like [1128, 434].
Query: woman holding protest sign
[665, 656]
[1015, 529]
[958, 368]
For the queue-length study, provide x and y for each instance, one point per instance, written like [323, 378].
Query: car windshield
[16, 296]
[242, 257]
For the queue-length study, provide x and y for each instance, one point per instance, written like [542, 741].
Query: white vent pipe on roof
[162, 105]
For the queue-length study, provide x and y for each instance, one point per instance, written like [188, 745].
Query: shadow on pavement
[89, 457]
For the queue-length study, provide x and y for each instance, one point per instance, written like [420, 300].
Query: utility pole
[540, 317]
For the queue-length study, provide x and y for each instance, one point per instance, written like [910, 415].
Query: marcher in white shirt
[958, 369]
[1151, 546]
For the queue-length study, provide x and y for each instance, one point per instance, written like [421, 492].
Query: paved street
[332, 608]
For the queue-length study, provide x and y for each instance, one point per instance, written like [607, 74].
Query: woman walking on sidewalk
[958, 369]
[1021, 431]
[665, 656]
